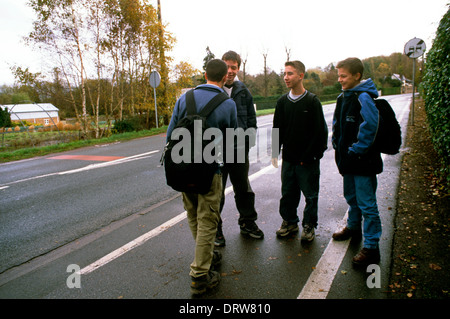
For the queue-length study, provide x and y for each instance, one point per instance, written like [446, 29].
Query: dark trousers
[297, 179]
[243, 193]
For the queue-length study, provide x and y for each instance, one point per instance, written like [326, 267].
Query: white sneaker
[308, 233]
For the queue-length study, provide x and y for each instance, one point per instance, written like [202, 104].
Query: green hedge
[436, 86]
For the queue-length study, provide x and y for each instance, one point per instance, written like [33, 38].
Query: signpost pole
[413, 91]
[156, 109]
[155, 80]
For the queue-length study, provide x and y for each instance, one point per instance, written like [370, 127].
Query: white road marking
[132, 244]
[321, 278]
[86, 168]
[109, 163]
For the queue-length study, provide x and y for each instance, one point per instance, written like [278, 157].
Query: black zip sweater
[303, 133]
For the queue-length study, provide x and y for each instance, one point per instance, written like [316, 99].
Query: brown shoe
[366, 257]
[347, 233]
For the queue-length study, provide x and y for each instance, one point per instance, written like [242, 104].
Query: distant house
[37, 113]
[401, 78]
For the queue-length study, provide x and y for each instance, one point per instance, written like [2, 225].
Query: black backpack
[389, 135]
[189, 176]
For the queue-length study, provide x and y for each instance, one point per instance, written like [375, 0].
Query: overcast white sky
[317, 32]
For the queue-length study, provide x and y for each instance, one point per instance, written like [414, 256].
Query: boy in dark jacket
[355, 125]
[302, 133]
[238, 169]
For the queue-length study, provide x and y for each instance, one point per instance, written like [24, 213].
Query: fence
[263, 103]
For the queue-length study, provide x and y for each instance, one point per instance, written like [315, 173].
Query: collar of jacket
[238, 87]
[209, 87]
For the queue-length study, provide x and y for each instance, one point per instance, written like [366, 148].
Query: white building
[37, 113]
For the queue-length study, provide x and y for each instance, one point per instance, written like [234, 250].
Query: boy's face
[233, 69]
[348, 80]
[291, 77]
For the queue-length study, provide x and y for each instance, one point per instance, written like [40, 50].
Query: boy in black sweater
[302, 134]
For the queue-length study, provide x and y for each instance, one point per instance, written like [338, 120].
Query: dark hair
[232, 56]
[216, 69]
[353, 65]
[299, 66]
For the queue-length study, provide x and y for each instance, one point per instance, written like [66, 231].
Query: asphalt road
[107, 212]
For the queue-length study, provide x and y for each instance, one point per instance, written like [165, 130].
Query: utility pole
[162, 57]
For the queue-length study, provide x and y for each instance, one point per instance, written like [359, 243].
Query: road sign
[155, 79]
[414, 48]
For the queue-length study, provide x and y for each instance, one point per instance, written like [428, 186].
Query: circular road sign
[155, 79]
[414, 48]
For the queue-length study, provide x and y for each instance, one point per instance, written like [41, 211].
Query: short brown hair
[216, 69]
[232, 56]
[353, 65]
[297, 65]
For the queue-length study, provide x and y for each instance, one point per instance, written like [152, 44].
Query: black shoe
[199, 285]
[216, 260]
[251, 229]
[220, 239]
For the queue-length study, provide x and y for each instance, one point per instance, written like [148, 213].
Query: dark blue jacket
[355, 125]
[246, 115]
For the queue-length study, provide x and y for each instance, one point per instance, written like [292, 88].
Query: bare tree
[266, 81]
[288, 53]
[244, 62]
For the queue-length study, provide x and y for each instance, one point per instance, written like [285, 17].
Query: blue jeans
[360, 194]
[297, 179]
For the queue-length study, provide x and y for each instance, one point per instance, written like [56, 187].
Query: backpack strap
[191, 107]
[213, 103]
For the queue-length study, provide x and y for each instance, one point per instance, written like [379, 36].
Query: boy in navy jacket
[355, 125]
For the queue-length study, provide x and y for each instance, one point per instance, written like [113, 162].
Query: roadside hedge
[436, 85]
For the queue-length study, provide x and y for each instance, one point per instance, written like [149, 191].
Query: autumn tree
[105, 51]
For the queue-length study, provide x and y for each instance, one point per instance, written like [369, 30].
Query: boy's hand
[275, 162]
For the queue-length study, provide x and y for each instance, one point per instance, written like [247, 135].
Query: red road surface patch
[87, 158]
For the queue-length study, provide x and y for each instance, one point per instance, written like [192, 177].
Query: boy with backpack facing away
[355, 125]
[203, 209]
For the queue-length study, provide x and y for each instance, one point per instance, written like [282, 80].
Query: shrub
[436, 85]
[127, 125]
[69, 127]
